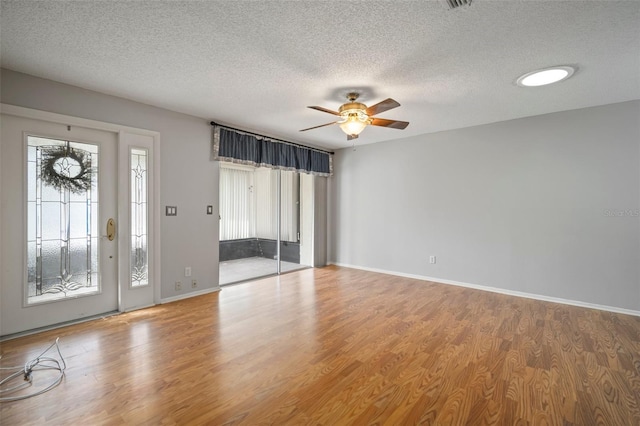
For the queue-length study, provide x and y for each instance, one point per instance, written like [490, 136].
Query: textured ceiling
[257, 65]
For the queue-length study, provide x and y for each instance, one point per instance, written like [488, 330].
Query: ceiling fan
[355, 116]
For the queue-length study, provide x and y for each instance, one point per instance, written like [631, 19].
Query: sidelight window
[139, 227]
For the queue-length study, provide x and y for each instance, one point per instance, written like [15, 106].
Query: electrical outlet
[187, 271]
[432, 259]
[194, 283]
[178, 285]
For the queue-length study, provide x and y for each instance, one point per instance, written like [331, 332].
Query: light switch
[209, 209]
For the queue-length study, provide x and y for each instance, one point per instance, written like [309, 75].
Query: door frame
[122, 134]
[130, 298]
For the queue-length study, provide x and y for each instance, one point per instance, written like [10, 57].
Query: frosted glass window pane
[50, 194]
[31, 213]
[74, 198]
[50, 259]
[50, 221]
[31, 260]
[61, 178]
[31, 181]
[79, 219]
[94, 254]
[79, 256]
[138, 219]
[94, 219]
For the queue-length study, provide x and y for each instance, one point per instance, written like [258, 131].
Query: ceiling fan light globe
[353, 126]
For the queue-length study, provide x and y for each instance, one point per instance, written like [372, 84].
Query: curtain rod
[213, 123]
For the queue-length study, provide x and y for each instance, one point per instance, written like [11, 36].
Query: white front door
[59, 192]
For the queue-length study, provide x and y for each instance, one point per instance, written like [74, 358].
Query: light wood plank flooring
[336, 346]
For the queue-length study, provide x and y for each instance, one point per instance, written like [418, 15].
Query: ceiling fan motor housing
[355, 111]
[352, 106]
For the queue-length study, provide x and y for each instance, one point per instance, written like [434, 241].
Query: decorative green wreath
[67, 168]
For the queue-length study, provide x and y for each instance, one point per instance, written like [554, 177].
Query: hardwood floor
[337, 346]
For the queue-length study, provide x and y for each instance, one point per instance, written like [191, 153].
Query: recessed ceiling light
[545, 76]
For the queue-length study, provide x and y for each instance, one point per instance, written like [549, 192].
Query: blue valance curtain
[245, 148]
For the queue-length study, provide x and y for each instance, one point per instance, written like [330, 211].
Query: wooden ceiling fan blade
[319, 108]
[322, 125]
[383, 106]
[393, 124]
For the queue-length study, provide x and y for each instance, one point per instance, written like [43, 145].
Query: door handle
[111, 229]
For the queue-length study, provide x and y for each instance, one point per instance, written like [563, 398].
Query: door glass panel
[249, 215]
[289, 221]
[62, 201]
[139, 223]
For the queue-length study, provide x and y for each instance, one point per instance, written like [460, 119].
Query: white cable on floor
[40, 363]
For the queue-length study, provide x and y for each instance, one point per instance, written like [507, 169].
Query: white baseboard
[58, 325]
[497, 290]
[189, 295]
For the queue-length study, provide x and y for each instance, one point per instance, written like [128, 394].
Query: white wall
[189, 179]
[523, 205]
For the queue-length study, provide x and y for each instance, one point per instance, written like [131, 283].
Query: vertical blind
[248, 204]
[289, 205]
[237, 204]
[266, 201]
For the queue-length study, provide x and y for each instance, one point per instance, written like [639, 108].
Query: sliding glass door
[260, 214]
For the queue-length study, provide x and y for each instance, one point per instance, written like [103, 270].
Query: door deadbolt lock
[111, 229]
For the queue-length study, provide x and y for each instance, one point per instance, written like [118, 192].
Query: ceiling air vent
[454, 4]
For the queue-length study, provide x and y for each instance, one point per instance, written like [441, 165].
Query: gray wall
[546, 205]
[189, 179]
[319, 221]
